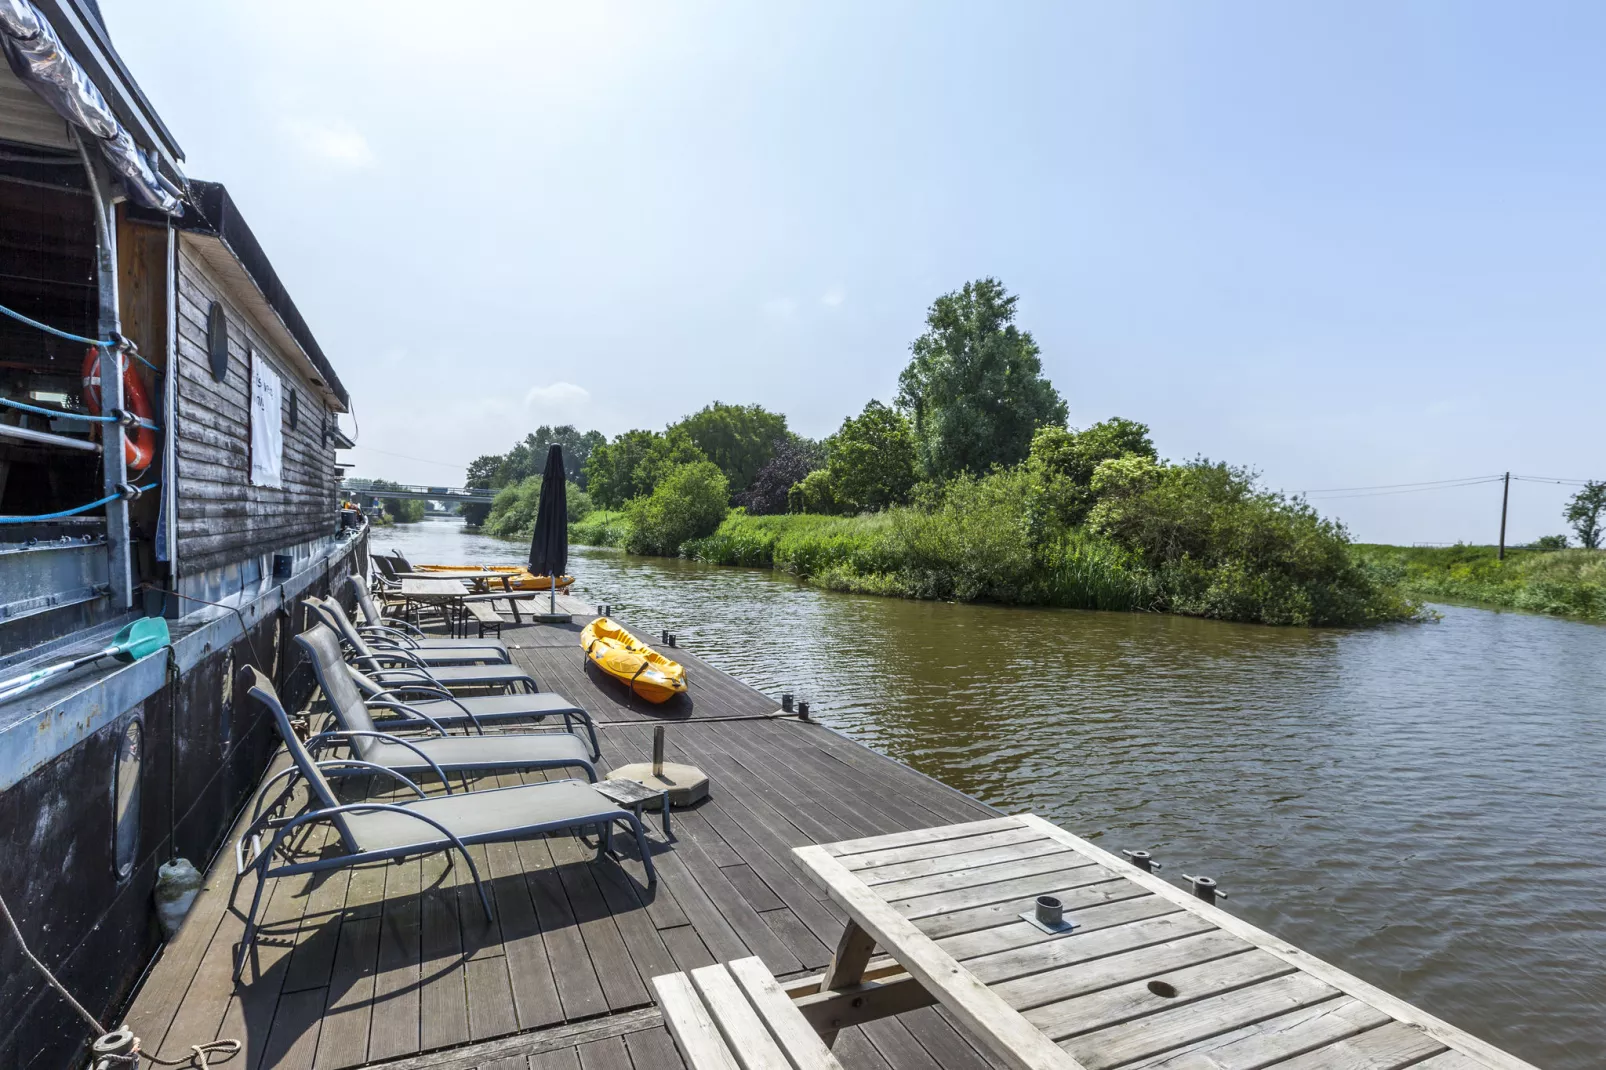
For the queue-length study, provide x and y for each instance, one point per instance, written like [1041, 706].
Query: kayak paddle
[134, 641]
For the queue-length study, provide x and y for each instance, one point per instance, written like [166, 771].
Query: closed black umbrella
[549, 547]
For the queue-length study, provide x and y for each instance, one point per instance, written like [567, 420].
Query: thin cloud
[557, 395]
[782, 308]
[332, 141]
[833, 297]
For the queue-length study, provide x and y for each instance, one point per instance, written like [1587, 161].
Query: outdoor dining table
[1144, 973]
[448, 594]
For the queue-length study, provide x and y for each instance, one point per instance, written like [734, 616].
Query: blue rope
[18, 316]
[58, 414]
[74, 512]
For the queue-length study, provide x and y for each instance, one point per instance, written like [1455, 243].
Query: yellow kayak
[520, 578]
[624, 657]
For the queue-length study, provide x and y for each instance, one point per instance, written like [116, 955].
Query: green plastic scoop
[133, 641]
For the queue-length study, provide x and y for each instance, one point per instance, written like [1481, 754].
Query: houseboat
[168, 438]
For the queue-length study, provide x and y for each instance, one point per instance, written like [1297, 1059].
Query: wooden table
[1151, 977]
[447, 594]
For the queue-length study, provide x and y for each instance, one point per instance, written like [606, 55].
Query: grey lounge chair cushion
[492, 708]
[435, 656]
[440, 642]
[477, 675]
[481, 816]
[523, 751]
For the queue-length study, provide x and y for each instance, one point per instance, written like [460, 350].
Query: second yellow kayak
[627, 659]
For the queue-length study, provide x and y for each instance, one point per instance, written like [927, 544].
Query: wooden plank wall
[223, 518]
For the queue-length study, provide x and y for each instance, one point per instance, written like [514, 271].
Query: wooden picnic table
[1150, 976]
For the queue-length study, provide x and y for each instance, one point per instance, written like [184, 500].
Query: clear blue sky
[1352, 246]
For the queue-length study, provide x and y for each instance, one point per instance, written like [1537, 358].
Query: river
[1423, 805]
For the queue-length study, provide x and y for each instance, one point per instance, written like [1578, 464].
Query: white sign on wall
[267, 431]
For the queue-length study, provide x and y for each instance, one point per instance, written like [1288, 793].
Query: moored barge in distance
[212, 504]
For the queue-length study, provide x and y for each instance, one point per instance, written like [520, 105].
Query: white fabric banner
[267, 430]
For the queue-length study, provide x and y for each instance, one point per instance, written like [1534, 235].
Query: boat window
[217, 340]
[125, 789]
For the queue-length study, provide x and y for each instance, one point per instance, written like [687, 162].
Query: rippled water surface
[1423, 805]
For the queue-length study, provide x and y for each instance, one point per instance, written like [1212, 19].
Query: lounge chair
[389, 665]
[414, 756]
[398, 632]
[395, 705]
[455, 653]
[380, 832]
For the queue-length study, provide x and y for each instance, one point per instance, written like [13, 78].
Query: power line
[1554, 479]
[405, 457]
[1390, 486]
[1411, 490]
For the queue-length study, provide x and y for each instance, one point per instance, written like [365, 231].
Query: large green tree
[975, 389]
[740, 439]
[1584, 513]
[634, 463]
[872, 460]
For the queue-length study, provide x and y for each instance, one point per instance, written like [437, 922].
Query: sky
[1348, 245]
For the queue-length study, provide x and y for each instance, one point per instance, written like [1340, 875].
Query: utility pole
[1505, 498]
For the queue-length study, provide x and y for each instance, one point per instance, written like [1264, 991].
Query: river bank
[1557, 583]
[1358, 791]
[981, 550]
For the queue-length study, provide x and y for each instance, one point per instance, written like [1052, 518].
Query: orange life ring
[139, 444]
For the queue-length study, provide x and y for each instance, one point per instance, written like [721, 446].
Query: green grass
[1562, 583]
[601, 527]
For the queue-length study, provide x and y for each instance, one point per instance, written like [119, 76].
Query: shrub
[793, 461]
[815, 493]
[514, 509]
[689, 501]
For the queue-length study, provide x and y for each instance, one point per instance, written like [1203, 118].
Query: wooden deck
[395, 964]
[387, 962]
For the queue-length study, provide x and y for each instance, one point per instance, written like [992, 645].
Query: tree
[814, 493]
[1062, 464]
[689, 502]
[1584, 514]
[794, 459]
[632, 464]
[741, 439]
[872, 462]
[401, 510]
[528, 458]
[482, 471]
[975, 388]
[669, 450]
[611, 469]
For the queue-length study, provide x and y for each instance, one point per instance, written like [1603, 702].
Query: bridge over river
[362, 489]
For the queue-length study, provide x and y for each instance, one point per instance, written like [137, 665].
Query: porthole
[294, 402]
[217, 341]
[125, 797]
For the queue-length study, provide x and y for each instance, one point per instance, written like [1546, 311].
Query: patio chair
[381, 832]
[458, 653]
[441, 754]
[389, 665]
[397, 704]
[401, 633]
